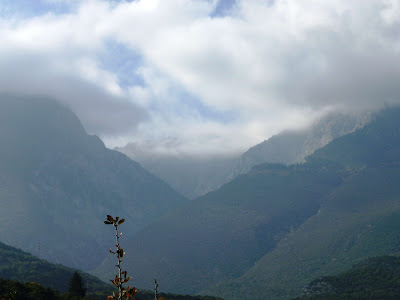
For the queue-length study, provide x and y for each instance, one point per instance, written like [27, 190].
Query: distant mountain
[373, 278]
[269, 232]
[290, 147]
[190, 175]
[58, 183]
[196, 176]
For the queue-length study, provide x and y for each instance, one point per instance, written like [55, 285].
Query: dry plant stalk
[121, 277]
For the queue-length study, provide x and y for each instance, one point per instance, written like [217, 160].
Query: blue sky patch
[123, 62]
[223, 8]
[29, 8]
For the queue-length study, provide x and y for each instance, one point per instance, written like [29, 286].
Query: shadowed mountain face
[58, 183]
[267, 233]
[356, 220]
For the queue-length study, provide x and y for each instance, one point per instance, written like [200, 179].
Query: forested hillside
[373, 278]
[356, 220]
[17, 265]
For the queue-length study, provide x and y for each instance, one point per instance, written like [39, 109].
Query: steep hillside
[219, 236]
[373, 278]
[57, 184]
[290, 147]
[358, 219]
[21, 266]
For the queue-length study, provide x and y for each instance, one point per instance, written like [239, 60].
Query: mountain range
[58, 183]
[267, 233]
[194, 176]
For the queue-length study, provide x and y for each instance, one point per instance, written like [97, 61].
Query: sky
[201, 76]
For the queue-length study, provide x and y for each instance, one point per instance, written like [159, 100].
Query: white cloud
[209, 83]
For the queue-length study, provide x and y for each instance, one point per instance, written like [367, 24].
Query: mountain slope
[222, 234]
[267, 233]
[358, 219]
[373, 278]
[58, 183]
[18, 265]
[290, 147]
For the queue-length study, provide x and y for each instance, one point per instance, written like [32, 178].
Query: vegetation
[21, 266]
[357, 219]
[373, 278]
[31, 278]
[10, 289]
[14, 290]
[76, 287]
[121, 277]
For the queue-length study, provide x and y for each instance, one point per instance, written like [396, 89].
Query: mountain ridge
[195, 176]
[58, 183]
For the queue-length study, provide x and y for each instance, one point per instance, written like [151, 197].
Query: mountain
[58, 183]
[356, 220]
[190, 175]
[221, 235]
[269, 232]
[195, 176]
[291, 147]
[373, 278]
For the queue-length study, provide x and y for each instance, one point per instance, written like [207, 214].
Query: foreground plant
[155, 289]
[121, 277]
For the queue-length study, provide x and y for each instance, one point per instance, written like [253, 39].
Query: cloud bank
[211, 76]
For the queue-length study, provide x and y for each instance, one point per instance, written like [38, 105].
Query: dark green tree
[76, 289]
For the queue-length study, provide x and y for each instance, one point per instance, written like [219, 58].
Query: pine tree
[76, 289]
